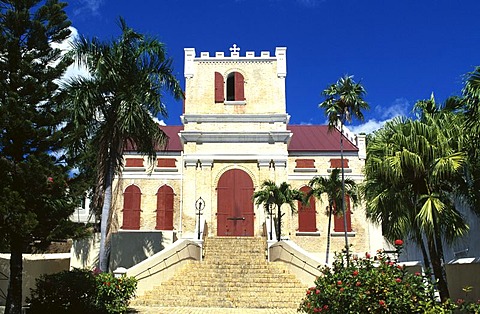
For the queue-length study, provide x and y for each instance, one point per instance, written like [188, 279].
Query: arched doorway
[235, 213]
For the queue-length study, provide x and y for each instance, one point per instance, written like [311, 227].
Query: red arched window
[131, 208]
[165, 200]
[307, 214]
[338, 224]
[235, 86]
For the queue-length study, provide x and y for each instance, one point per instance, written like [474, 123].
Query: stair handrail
[317, 268]
[205, 230]
[160, 262]
[3, 276]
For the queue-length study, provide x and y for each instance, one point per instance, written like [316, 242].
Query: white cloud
[159, 122]
[88, 7]
[66, 45]
[399, 107]
[367, 127]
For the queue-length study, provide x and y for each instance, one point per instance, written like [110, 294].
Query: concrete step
[234, 273]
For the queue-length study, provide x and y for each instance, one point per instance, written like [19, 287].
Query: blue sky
[401, 51]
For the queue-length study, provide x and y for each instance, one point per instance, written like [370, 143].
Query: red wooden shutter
[131, 208]
[166, 162]
[219, 90]
[165, 202]
[337, 163]
[239, 86]
[307, 214]
[225, 203]
[243, 203]
[339, 225]
[134, 162]
[305, 163]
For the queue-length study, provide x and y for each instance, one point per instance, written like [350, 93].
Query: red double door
[235, 215]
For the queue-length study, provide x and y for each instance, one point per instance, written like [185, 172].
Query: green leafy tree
[471, 100]
[271, 193]
[115, 104]
[343, 100]
[332, 187]
[414, 179]
[37, 195]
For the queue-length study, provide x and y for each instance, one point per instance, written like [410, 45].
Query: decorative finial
[235, 48]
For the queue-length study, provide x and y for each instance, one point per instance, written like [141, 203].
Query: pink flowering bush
[367, 285]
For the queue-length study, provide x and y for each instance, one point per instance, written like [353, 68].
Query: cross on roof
[235, 48]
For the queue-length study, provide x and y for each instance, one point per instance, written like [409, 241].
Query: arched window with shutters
[338, 224]
[233, 87]
[131, 208]
[165, 202]
[307, 213]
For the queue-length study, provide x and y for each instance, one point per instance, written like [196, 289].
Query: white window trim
[235, 102]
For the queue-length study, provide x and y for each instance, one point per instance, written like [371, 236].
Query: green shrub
[72, 291]
[115, 293]
[81, 291]
[368, 285]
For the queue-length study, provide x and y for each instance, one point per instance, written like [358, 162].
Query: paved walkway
[199, 310]
[204, 310]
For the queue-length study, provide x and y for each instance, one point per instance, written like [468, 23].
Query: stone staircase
[233, 274]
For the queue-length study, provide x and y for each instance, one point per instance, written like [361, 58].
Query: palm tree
[332, 187]
[471, 96]
[414, 174]
[117, 103]
[272, 193]
[343, 100]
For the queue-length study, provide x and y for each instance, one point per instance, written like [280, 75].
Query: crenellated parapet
[234, 56]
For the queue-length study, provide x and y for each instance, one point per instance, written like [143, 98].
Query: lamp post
[270, 209]
[199, 205]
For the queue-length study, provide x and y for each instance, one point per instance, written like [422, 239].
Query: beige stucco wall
[267, 97]
[201, 180]
[149, 185]
[34, 265]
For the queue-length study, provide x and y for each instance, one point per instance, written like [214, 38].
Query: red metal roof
[309, 138]
[305, 138]
[174, 144]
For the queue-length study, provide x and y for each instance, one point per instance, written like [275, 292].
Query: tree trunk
[107, 202]
[328, 232]
[14, 294]
[419, 240]
[438, 270]
[426, 260]
[344, 211]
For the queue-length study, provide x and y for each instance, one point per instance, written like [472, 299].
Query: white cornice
[236, 156]
[235, 118]
[200, 137]
[304, 176]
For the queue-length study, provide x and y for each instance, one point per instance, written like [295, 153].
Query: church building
[235, 134]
